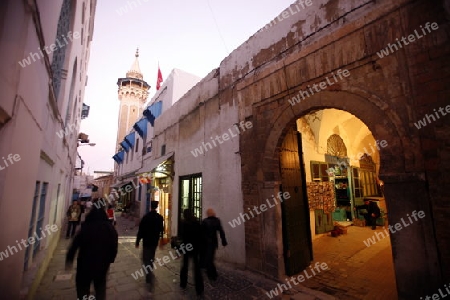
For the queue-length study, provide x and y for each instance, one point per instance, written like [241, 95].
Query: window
[368, 176]
[83, 10]
[369, 183]
[336, 146]
[60, 53]
[319, 171]
[41, 215]
[132, 153]
[190, 196]
[137, 145]
[163, 150]
[56, 204]
[32, 221]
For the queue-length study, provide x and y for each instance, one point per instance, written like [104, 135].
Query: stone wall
[388, 94]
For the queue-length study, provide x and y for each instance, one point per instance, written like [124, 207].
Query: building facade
[137, 182]
[45, 53]
[335, 80]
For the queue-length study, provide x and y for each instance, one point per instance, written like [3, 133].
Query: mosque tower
[133, 93]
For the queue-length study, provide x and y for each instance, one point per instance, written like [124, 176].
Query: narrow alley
[233, 283]
[351, 266]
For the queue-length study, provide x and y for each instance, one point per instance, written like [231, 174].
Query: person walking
[151, 228]
[74, 217]
[211, 226]
[111, 214]
[97, 243]
[190, 233]
[364, 211]
[374, 213]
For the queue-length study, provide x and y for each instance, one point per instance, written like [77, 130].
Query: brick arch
[401, 168]
[400, 155]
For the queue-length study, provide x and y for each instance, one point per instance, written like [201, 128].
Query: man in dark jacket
[374, 213]
[151, 229]
[190, 233]
[97, 242]
[364, 210]
[211, 226]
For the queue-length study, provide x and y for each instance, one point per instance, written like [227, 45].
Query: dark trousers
[199, 287]
[373, 222]
[73, 225]
[210, 254]
[83, 281]
[148, 258]
[367, 219]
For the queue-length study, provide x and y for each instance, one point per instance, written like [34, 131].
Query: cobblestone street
[355, 270]
[232, 283]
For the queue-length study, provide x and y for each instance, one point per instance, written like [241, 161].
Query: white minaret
[133, 93]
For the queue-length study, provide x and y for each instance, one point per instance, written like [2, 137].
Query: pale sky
[194, 36]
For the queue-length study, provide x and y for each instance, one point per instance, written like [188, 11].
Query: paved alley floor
[58, 284]
[355, 270]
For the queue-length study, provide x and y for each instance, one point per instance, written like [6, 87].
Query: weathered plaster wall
[192, 121]
[388, 94]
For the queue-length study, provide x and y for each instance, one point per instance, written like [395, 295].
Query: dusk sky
[194, 36]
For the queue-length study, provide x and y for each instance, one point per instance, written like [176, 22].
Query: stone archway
[417, 273]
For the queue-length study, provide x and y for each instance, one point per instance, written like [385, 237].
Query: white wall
[31, 119]
[193, 120]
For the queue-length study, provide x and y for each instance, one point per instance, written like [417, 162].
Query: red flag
[159, 79]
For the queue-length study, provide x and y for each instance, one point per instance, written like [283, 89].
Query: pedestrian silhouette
[211, 226]
[151, 228]
[97, 242]
[74, 217]
[190, 232]
[364, 211]
[374, 213]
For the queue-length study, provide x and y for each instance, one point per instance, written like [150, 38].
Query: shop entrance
[332, 156]
[190, 196]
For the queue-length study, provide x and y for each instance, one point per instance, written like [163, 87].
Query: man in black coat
[364, 210]
[211, 226]
[97, 242]
[374, 213]
[190, 233]
[151, 229]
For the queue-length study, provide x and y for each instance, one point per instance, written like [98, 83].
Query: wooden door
[297, 242]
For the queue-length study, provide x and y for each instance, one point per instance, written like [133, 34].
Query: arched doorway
[339, 167]
[400, 169]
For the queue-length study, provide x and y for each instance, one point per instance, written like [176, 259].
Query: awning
[141, 127]
[125, 145]
[130, 139]
[154, 163]
[119, 156]
[153, 111]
